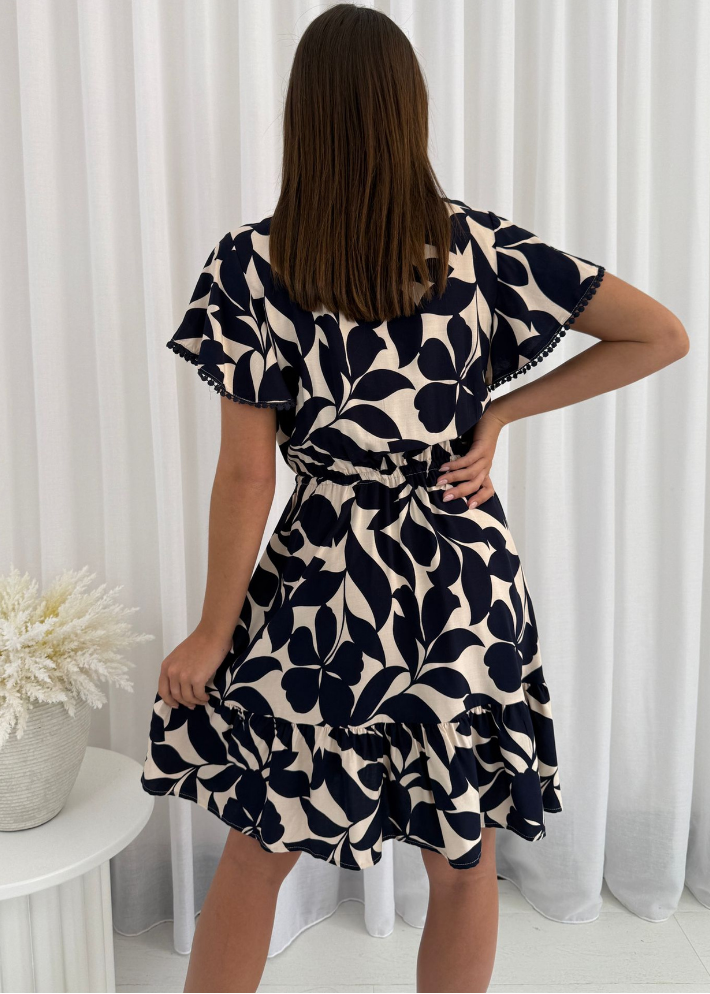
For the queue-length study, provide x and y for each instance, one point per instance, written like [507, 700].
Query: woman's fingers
[484, 492]
[478, 489]
[187, 696]
[175, 688]
[459, 463]
[164, 691]
[181, 682]
[466, 467]
[193, 691]
[475, 468]
[201, 695]
[468, 487]
[463, 462]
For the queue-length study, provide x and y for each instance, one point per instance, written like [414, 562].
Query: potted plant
[55, 649]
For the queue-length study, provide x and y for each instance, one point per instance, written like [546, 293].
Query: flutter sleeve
[539, 292]
[225, 332]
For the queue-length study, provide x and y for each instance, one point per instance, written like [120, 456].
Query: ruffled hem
[185, 353]
[339, 793]
[552, 342]
[302, 847]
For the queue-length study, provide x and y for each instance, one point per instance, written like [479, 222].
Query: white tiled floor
[617, 952]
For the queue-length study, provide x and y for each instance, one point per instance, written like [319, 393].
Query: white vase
[37, 771]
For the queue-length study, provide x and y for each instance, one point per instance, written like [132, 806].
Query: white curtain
[134, 134]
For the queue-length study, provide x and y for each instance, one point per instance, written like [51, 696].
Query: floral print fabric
[385, 678]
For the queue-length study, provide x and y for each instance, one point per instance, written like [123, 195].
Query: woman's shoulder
[477, 214]
[246, 246]
[243, 251]
[479, 218]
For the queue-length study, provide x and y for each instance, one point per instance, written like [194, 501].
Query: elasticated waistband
[395, 469]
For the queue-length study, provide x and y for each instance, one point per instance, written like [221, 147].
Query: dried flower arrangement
[57, 647]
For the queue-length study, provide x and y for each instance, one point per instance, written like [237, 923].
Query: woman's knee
[245, 855]
[443, 875]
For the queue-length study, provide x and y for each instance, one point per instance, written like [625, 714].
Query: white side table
[56, 928]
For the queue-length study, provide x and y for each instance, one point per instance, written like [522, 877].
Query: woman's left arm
[242, 493]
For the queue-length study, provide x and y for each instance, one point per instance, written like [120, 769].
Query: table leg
[15, 946]
[47, 951]
[59, 939]
[76, 965]
[183, 883]
[99, 928]
[108, 926]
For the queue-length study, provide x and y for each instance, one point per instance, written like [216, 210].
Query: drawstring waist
[394, 477]
[422, 468]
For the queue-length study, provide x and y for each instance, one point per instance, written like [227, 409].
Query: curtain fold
[135, 134]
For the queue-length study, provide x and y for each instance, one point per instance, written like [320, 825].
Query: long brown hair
[359, 200]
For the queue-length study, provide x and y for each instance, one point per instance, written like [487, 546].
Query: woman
[377, 675]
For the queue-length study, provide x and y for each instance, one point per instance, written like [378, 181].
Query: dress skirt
[384, 682]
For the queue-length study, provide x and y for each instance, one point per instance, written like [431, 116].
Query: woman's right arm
[637, 337]
[242, 494]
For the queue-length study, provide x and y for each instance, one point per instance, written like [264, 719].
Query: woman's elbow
[670, 342]
[679, 342]
[247, 479]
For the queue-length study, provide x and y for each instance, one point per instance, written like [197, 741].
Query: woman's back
[386, 660]
[350, 389]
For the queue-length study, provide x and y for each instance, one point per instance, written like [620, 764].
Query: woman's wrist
[211, 632]
[496, 411]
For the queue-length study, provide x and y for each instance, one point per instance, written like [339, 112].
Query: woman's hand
[470, 473]
[189, 666]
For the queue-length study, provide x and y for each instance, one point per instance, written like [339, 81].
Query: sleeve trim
[557, 337]
[185, 353]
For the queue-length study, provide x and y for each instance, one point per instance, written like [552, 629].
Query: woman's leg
[234, 927]
[458, 945]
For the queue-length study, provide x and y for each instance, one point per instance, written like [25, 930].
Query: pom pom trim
[559, 334]
[185, 353]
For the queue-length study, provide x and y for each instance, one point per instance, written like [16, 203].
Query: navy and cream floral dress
[385, 678]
